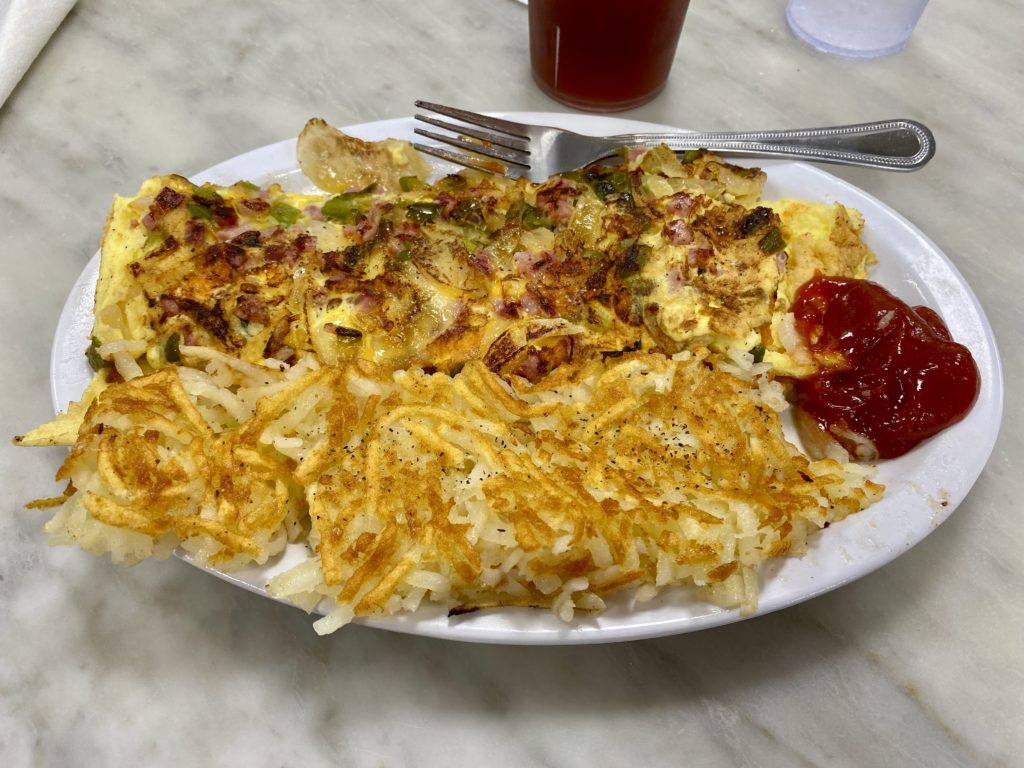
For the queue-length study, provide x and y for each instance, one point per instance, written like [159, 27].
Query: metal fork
[537, 152]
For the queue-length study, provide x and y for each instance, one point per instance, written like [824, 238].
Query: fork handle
[896, 145]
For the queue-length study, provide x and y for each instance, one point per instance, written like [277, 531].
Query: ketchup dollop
[891, 373]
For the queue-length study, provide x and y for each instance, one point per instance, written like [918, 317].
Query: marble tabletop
[918, 664]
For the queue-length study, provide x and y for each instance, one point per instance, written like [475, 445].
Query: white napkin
[25, 26]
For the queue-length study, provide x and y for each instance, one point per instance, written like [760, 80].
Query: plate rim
[589, 631]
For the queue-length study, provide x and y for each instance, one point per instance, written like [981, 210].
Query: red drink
[604, 55]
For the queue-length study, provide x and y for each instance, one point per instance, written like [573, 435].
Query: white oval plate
[922, 488]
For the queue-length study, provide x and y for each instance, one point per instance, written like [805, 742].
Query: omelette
[656, 253]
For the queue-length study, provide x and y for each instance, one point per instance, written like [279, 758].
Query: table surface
[920, 663]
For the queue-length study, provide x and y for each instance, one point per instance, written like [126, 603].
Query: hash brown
[640, 471]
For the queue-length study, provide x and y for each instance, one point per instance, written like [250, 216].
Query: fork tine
[511, 142]
[484, 121]
[479, 163]
[499, 153]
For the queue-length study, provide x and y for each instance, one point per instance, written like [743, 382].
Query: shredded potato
[637, 473]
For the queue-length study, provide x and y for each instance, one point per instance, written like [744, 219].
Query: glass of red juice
[604, 55]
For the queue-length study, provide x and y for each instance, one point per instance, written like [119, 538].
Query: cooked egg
[655, 254]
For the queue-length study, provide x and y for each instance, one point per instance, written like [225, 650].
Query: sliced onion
[336, 162]
[126, 366]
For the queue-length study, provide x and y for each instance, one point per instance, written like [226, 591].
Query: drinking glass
[861, 28]
[604, 55]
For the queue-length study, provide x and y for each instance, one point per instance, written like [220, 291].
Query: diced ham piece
[195, 232]
[536, 304]
[256, 205]
[252, 309]
[505, 309]
[224, 216]
[557, 200]
[367, 302]
[532, 265]
[169, 305]
[482, 261]
[678, 232]
[448, 202]
[366, 230]
[166, 201]
[305, 243]
[680, 204]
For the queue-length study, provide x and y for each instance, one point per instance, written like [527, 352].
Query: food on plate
[337, 162]
[160, 462]
[889, 375]
[477, 391]
[641, 471]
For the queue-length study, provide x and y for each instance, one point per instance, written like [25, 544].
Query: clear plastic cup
[861, 28]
